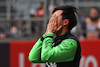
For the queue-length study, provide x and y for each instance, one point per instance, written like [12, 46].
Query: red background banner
[18, 48]
[90, 51]
[19, 51]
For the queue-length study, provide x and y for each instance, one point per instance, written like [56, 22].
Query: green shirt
[43, 51]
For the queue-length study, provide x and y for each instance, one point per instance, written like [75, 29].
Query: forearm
[46, 47]
[35, 53]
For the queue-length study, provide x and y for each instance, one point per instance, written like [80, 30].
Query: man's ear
[66, 21]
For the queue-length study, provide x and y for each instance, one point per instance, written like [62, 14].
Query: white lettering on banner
[91, 59]
[84, 62]
[21, 59]
[41, 64]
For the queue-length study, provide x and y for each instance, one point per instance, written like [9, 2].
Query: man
[93, 24]
[64, 50]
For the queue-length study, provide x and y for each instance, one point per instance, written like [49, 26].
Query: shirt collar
[64, 35]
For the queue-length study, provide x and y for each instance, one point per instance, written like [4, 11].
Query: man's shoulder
[69, 41]
[72, 37]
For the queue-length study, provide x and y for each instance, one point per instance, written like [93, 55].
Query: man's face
[60, 21]
[93, 13]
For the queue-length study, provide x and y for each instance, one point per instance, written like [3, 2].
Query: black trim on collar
[49, 36]
[66, 34]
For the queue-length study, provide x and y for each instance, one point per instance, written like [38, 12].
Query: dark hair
[69, 12]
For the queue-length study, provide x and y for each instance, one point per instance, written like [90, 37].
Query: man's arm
[35, 53]
[64, 52]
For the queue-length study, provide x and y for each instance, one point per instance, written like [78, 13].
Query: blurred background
[26, 20]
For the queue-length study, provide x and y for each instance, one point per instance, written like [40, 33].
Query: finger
[52, 17]
[50, 20]
[56, 20]
[55, 17]
[59, 28]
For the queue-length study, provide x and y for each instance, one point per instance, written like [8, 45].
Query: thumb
[59, 28]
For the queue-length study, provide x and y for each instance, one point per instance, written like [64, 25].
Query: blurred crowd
[88, 27]
[20, 28]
